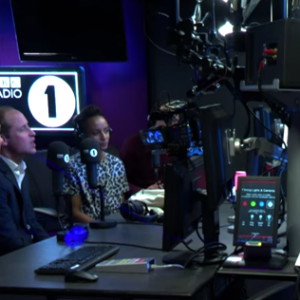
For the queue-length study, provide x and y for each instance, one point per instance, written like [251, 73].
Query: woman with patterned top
[110, 171]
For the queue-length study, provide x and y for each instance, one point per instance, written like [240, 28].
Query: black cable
[282, 198]
[126, 245]
[224, 48]
[188, 247]
[206, 248]
[149, 38]
[237, 95]
[139, 223]
[259, 86]
[199, 235]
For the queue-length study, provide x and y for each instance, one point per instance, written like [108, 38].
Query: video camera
[182, 134]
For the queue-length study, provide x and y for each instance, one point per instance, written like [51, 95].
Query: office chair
[40, 187]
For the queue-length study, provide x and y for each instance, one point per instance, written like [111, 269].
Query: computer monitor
[194, 186]
[219, 163]
[184, 180]
[256, 212]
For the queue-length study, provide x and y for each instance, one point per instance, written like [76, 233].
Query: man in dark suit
[18, 225]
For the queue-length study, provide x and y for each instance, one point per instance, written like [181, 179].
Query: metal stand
[257, 257]
[263, 257]
[211, 231]
[60, 235]
[293, 186]
[155, 161]
[102, 223]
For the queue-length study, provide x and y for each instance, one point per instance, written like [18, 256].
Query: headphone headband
[77, 131]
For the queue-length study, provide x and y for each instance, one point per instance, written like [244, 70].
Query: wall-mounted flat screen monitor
[70, 30]
[48, 97]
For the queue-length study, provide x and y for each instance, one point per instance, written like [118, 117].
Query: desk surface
[287, 273]
[17, 269]
[17, 276]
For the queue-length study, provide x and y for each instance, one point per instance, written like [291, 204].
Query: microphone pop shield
[90, 156]
[89, 151]
[58, 156]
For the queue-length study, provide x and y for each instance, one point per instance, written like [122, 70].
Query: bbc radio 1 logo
[51, 101]
[10, 87]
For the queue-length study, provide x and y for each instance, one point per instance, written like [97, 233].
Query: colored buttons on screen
[253, 203]
[261, 203]
[269, 218]
[270, 204]
[244, 203]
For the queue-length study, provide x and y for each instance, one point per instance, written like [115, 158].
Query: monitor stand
[257, 257]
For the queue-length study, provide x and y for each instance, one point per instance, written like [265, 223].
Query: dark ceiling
[261, 13]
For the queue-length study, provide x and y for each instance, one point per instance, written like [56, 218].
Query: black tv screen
[70, 30]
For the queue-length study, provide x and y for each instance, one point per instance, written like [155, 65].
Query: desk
[287, 273]
[284, 279]
[17, 269]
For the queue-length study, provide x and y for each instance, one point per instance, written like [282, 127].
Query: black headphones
[156, 115]
[151, 119]
[78, 132]
[137, 211]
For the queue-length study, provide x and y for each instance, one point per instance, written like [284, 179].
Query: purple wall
[120, 89]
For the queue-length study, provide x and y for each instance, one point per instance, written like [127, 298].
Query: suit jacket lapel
[8, 173]
[25, 185]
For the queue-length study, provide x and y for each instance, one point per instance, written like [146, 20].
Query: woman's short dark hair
[87, 112]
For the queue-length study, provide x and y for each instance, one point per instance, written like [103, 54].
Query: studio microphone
[90, 156]
[57, 161]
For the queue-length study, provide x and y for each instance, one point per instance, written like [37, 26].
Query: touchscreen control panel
[257, 211]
